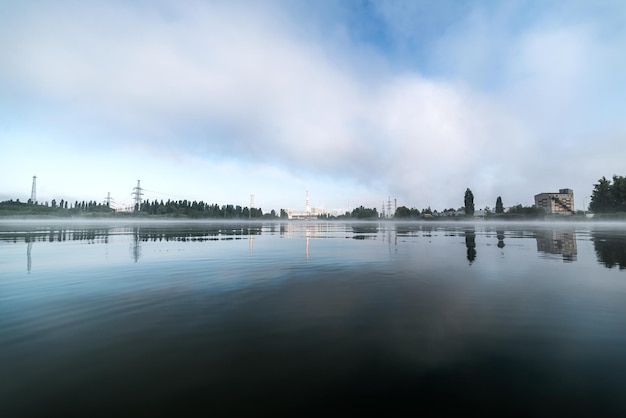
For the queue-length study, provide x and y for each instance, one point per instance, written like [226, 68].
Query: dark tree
[402, 212]
[499, 206]
[364, 213]
[619, 193]
[469, 202]
[601, 197]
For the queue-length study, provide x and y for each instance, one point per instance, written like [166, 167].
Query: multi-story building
[561, 202]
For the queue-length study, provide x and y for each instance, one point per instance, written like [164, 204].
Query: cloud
[486, 107]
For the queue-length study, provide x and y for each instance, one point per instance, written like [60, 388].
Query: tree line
[194, 209]
[468, 210]
[609, 196]
[54, 208]
[170, 208]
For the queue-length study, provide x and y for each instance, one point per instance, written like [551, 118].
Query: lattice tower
[137, 194]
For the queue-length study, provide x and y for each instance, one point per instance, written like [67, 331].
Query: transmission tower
[137, 193]
[108, 200]
[33, 191]
[389, 214]
[251, 206]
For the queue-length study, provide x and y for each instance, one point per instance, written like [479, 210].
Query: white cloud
[222, 90]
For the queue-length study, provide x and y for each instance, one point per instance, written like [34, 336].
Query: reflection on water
[135, 247]
[500, 236]
[558, 242]
[270, 319]
[610, 249]
[470, 243]
[29, 258]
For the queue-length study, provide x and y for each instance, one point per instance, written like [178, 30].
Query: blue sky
[354, 101]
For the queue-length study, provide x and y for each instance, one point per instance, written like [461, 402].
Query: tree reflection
[500, 236]
[610, 249]
[470, 243]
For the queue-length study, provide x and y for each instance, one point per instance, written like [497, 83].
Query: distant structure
[137, 194]
[108, 200]
[386, 208]
[308, 206]
[251, 206]
[311, 212]
[561, 202]
[33, 191]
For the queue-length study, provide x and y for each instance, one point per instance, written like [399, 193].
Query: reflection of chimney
[29, 260]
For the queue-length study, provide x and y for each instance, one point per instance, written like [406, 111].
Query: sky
[354, 101]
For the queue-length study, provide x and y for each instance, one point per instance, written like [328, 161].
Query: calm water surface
[312, 318]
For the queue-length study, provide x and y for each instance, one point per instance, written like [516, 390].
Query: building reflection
[558, 243]
[610, 249]
[307, 230]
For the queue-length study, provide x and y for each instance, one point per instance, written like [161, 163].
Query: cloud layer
[503, 100]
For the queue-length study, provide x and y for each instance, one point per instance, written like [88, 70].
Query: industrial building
[561, 202]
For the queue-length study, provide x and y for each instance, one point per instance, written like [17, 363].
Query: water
[308, 318]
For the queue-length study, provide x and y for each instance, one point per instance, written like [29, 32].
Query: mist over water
[284, 318]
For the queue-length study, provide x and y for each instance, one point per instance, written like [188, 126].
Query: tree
[402, 212]
[618, 192]
[601, 197]
[364, 213]
[469, 202]
[499, 206]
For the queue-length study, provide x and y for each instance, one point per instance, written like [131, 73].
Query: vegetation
[364, 213]
[499, 206]
[189, 209]
[469, 202]
[609, 197]
[63, 208]
[181, 208]
[519, 211]
[403, 212]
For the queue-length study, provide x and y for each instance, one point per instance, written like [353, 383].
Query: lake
[109, 318]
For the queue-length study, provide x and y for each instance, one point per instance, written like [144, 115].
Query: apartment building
[561, 202]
